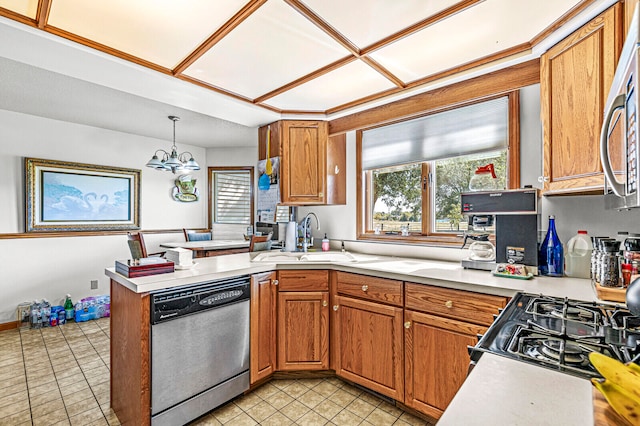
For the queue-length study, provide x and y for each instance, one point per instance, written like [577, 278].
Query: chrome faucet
[305, 227]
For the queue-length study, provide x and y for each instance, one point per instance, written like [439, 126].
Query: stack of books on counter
[133, 268]
[180, 256]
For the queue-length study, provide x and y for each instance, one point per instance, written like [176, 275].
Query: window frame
[222, 169]
[363, 215]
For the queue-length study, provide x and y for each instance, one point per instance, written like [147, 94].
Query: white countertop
[445, 274]
[502, 391]
[499, 391]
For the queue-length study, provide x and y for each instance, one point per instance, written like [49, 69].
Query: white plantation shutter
[232, 197]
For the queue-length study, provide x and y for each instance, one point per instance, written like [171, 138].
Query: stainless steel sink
[328, 257]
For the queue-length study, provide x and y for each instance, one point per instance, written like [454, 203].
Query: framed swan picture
[64, 196]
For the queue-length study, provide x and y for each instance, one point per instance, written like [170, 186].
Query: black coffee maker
[516, 220]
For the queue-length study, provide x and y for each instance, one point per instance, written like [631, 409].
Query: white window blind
[232, 197]
[461, 131]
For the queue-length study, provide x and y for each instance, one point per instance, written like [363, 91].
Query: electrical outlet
[94, 284]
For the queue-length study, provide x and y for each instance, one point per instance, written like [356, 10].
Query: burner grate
[557, 352]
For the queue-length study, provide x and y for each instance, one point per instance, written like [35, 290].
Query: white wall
[51, 267]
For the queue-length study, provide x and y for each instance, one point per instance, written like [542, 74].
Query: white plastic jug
[577, 261]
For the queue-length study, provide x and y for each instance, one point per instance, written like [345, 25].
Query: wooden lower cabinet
[303, 330]
[436, 360]
[369, 345]
[264, 293]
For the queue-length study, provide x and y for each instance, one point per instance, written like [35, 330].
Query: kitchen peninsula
[130, 328]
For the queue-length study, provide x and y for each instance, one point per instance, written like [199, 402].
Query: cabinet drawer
[457, 304]
[370, 288]
[301, 280]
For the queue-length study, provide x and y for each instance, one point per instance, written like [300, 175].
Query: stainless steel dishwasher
[199, 348]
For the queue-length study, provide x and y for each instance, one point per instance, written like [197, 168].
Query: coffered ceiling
[302, 56]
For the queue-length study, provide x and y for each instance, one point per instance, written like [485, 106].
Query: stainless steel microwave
[619, 136]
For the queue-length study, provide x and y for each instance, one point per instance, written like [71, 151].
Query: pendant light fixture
[173, 161]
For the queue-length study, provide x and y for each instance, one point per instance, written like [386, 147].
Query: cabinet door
[436, 360]
[576, 75]
[263, 325]
[303, 330]
[303, 172]
[369, 343]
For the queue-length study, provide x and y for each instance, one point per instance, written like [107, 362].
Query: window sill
[445, 240]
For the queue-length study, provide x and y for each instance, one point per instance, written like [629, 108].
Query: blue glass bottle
[551, 254]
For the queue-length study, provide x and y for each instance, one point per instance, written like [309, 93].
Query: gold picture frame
[66, 196]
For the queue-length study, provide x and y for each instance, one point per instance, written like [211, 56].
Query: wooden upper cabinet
[310, 161]
[576, 75]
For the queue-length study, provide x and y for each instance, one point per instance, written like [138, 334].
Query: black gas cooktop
[559, 333]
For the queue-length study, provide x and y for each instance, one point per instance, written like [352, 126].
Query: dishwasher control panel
[171, 304]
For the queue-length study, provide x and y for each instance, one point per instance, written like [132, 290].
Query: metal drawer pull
[275, 282]
[407, 325]
[365, 287]
[448, 304]
[335, 307]
[325, 303]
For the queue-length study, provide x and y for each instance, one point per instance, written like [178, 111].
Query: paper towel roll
[291, 235]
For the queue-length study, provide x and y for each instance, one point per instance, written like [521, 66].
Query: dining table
[209, 248]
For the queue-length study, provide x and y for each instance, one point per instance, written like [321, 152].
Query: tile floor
[56, 375]
[309, 402]
[60, 376]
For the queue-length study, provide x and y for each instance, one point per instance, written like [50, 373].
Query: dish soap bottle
[325, 243]
[551, 254]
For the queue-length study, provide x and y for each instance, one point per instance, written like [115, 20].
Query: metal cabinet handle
[448, 304]
[275, 282]
[325, 303]
[407, 325]
[365, 287]
[335, 308]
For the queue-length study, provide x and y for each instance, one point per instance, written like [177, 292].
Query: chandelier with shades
[172, 161]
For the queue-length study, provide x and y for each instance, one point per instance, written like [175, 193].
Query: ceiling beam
[440, 16]
[572, 13]
[304, 79]
[382, 70]
[106, 49]
[521, 48]
[324, 26]
[10, 14]
[501, 81]
[42, 15]
[222, 32]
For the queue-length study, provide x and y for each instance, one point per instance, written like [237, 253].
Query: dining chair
[197, 235]
[260, 242]
[137, 246]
